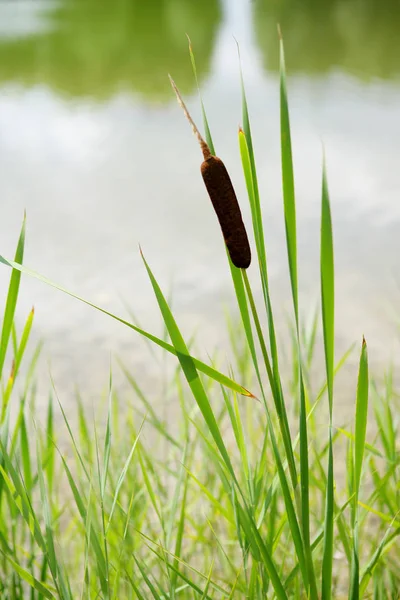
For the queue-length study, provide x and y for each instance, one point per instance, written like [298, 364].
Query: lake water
[95, 148]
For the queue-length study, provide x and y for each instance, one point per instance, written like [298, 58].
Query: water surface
[95, 148]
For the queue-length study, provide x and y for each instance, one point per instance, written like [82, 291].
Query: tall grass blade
[358, 457]
[328, 325]
[253, 189]
[12, 296]
[123, 474]
[203, 403]
[180, 532]
[369, 569]
[94, 539]
[289, 202]
[289, 205]
[146, 579]
[274, 383]
[34, 583]
[207, 370]
[23, 342]
[25, 454]
[361, 416]
[107, 442]
[190, 371]
[327, 286]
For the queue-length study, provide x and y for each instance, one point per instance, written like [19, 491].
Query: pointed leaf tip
[279, 32]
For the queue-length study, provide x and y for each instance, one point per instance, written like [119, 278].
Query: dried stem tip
[203, 144]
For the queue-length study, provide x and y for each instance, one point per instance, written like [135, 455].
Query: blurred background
[94, 146]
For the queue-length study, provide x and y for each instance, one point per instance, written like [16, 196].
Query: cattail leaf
[327, 286]
[250, 173]
[247, 153]
[328, 323]
[289, 202]
[201, 366]
[289, 206]
[192, 377]
[189, 369]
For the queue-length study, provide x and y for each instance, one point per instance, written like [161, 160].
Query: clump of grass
[245, 503]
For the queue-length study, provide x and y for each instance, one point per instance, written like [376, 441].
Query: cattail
[223, 197]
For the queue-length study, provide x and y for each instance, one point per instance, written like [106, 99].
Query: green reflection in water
[98, 47]
[361, 37]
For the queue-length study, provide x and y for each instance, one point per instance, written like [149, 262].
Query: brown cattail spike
[223, 198]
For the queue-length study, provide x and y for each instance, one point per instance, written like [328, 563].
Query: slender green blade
[289, 206]
[328, 323]
[274, 377]
[206, 369]
[25, 454]
[361, 416]
[12, 297]
[147, 580]
[327, 561]
[289, 202]
[23, 342]
[107, 442]
[94, 539]
[51, 554]
[123, 474]
[359, 447]
[327, 286]
[387, 539]
[50, 450]
[249, 166]
[305, 489]
[180, 532]
[203, 403]
[189, 369]
[185, 578]
[21, 499]
[34, 583]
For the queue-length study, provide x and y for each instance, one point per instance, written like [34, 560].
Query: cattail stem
[203, 144]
